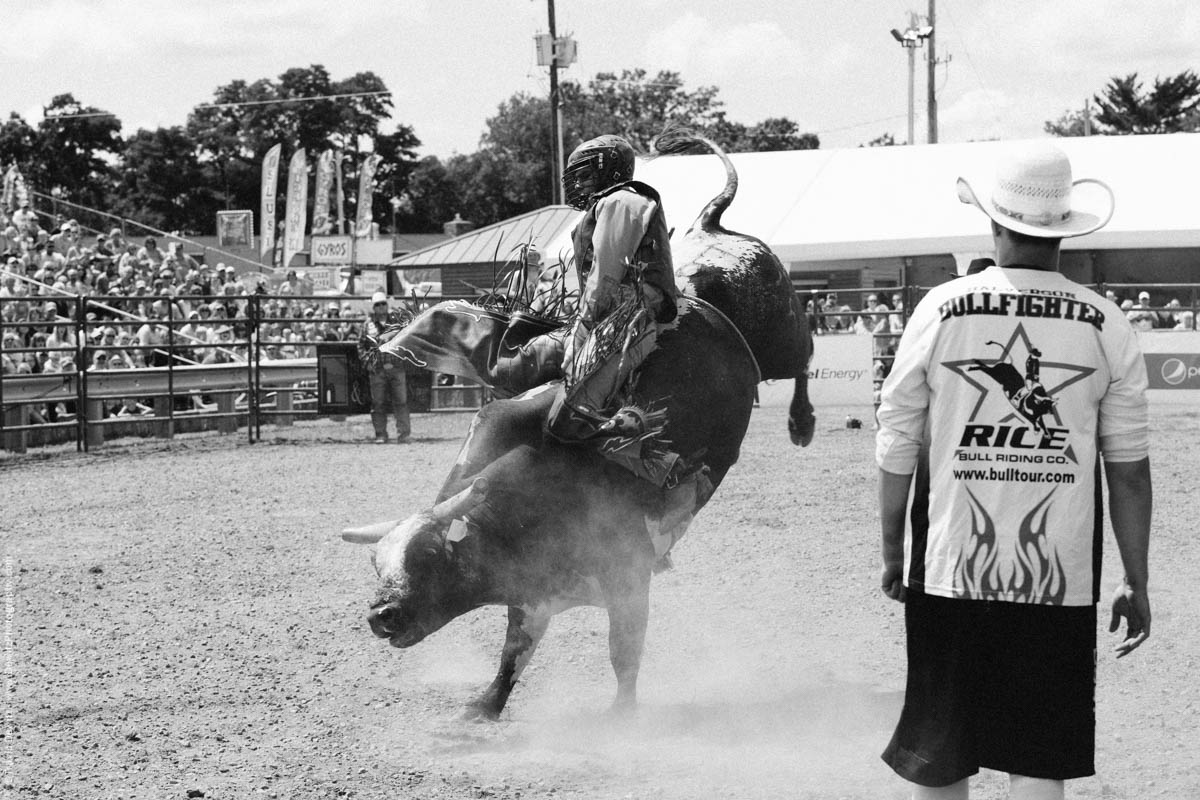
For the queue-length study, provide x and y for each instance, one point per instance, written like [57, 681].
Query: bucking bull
[541, 527]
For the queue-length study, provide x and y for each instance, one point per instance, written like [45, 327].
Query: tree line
[175, 178]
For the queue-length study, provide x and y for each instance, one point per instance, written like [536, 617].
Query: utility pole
[555, 122]
[554, 53]
[931, 92]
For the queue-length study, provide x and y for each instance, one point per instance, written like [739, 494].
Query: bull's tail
[676, 140]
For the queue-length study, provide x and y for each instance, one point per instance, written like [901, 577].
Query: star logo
[1030, 397]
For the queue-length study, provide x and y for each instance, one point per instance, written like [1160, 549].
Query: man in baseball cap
[389, 380]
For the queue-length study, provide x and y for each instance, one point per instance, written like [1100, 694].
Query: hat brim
[1092, 205]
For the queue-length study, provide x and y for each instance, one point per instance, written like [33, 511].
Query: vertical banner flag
[338, 157]
[15, 190]
[297, 207]
[270, 184]
[321, 223]
[366, 194]
[8, 201]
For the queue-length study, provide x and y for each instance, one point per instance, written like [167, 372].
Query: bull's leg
[525, 630]
[801, 422]
[628, 613]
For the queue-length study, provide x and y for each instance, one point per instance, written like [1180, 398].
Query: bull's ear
[369, 534]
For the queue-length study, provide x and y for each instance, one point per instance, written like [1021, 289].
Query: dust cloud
[724, 710]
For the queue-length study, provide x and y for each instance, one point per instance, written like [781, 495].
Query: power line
[962, 42]
[88, 114]
[859, 125]
[292, 99]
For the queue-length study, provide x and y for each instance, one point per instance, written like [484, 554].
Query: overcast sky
[831, 66]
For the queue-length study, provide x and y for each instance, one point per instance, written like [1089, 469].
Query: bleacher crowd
[137, 287]
[145, 306]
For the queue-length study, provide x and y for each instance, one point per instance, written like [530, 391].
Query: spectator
[52, 258]
[223, 352]
[896, 318]
[99, 360]
[132, 408]
[149, 253]
[66, 237]
[1169, 314]
[127, 261]
[189, 264]
[389, 387]
[152, 337]
[25, 219]
[116, 241]
[1139, 314]
[17, 363]
[62, 337]
[103, 253]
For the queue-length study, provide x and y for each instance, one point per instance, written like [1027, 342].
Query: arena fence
[105, 368]
[246, 377]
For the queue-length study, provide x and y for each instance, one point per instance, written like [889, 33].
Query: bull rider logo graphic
[1027, 395]
[1033, 397]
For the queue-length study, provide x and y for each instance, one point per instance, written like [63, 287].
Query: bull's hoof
[801, 431]
[622, 709]
[480, 711]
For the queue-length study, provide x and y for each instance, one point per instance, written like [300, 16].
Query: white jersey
[1019, 378]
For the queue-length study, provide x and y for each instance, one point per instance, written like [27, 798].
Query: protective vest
[653, 252]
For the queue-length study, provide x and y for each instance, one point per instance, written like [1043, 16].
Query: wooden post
[283, 402]
[165, 428]
[225, 406]
[15, 441]
[95, 433]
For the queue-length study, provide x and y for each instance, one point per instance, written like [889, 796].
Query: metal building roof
[495, 243]
[878, 202]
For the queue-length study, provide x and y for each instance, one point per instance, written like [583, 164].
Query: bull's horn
[369, 534]
[462, 502]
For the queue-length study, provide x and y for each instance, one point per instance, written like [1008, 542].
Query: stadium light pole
[910, 39]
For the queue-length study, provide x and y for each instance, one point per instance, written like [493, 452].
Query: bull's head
[424, 585]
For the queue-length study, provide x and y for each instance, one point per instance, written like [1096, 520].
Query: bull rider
[623, 257]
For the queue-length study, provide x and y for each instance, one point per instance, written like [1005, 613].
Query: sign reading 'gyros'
[331, 249]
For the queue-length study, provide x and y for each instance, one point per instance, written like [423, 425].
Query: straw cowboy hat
[1033, 194]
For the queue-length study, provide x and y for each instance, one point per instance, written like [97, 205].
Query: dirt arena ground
[182, 620]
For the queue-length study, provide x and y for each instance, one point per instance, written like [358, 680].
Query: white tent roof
[876, 202]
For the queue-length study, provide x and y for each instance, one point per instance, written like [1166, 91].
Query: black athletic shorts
[1006, 686]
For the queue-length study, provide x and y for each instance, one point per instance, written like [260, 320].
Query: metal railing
[89, 376]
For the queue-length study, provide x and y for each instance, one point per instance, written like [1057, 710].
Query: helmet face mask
[594, 166]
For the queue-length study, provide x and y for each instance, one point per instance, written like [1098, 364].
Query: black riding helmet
[594, 166]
